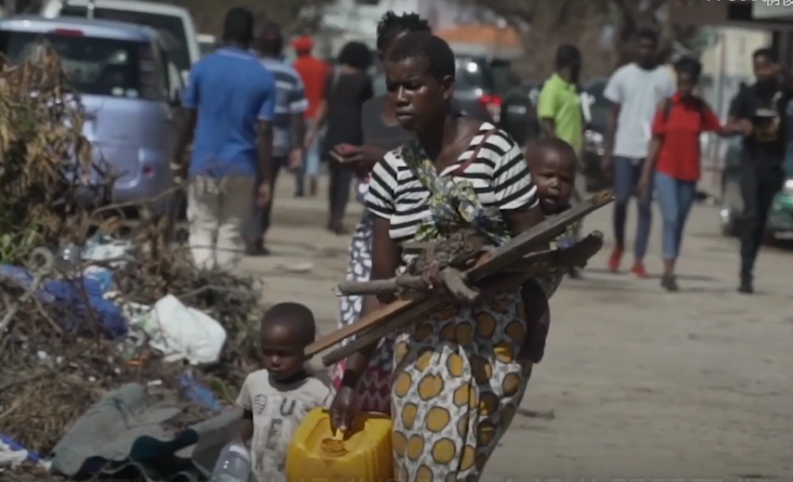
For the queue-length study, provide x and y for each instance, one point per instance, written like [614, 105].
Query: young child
[553, 164]
[277, 398]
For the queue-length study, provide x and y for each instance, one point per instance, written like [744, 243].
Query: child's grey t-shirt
[277, 412]
[639, 92]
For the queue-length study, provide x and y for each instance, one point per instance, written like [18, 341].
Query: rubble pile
[66, 332]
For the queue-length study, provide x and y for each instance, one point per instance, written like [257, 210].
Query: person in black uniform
[760, 111]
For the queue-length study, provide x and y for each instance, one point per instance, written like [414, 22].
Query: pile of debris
[68, 332]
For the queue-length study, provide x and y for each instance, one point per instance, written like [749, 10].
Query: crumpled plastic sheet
[76, 297]
[12, 454]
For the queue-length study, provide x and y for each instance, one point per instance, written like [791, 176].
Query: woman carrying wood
[460, 374]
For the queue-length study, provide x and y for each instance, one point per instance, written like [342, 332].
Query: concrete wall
[731, 55]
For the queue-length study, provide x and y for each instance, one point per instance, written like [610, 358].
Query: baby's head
[553, 164]
[286, 329]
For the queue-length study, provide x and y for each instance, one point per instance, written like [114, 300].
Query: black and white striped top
[499, 175]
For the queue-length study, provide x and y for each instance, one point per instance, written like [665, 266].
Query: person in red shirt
[674, 159]
[314, 73]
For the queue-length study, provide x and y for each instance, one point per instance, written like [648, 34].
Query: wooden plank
[401, 312]
[489, 286]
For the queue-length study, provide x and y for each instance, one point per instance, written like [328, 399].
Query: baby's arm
[246, 422]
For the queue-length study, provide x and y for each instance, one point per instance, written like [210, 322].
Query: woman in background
[347, 88]
[674, 159]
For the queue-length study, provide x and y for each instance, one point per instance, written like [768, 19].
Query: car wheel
[731, 207]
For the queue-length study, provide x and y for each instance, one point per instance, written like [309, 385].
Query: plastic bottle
[233, 465]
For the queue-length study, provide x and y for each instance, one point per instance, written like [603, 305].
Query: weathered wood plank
[419, 305]
[531, 265]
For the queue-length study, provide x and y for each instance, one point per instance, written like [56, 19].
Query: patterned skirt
[458, 384]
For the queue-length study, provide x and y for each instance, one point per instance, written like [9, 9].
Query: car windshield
[171, 25]
[504, 78]
[96, 66]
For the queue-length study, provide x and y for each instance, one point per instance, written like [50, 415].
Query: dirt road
[643, 385]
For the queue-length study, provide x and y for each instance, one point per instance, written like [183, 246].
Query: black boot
[669, 283]
[746, 287]
[256, 248]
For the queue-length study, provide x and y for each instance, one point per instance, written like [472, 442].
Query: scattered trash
[181, 333]
[67, 337]
[12, 453]
[11, 456]
[114, 252]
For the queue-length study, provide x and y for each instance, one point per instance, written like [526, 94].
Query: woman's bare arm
[652, 156]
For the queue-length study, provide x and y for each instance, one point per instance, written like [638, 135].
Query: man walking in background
[229, 102]
[635, 90]
[559, 111]
[289, 128]
[314, 73]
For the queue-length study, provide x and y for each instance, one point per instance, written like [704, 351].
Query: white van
[206, 43]
[174, 23]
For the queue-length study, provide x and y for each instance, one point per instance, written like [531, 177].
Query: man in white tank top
[635, 90]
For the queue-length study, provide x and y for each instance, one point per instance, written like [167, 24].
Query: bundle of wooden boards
[470, 273]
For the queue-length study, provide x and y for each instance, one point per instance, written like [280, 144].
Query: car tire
[731, 207]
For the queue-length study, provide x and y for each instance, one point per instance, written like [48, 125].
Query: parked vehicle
[128, 87]
[504, 77]
[780, 216]
[206, 44]
[174, 23]
[519, 113]
[475, 87]
[594, 135]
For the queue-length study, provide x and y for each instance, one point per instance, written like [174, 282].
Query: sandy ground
[643, 384]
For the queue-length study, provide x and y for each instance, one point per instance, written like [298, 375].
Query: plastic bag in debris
[10, 457]
[104, 248]
[180, 332]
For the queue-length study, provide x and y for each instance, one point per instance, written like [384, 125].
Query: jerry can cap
[334, 446]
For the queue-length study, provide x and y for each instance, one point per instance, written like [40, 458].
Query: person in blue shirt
[229, 102]
[289, 127]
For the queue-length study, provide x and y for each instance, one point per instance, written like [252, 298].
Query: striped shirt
[290, 99]
[499, 176]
